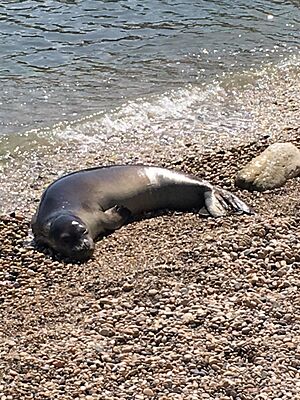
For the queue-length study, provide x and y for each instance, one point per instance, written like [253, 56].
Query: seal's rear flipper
[115, 217]
[220, 202]
[236, 205]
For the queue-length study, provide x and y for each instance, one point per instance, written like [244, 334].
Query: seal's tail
[220, 202]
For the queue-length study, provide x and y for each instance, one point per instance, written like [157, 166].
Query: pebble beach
[172, 306]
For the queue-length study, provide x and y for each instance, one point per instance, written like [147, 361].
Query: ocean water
[126, 74]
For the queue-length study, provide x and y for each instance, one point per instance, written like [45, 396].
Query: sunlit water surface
[119, 75]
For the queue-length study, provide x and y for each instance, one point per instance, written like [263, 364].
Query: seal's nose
[86, 244]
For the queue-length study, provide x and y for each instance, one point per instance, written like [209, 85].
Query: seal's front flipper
[115, 217]
[220, 202]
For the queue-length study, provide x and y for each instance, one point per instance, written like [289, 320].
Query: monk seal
[78, 207]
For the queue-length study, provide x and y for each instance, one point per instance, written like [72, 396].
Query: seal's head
[69, 236]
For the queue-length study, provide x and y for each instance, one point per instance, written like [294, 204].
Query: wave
[228, 107]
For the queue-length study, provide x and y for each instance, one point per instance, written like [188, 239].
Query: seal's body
[78, 207]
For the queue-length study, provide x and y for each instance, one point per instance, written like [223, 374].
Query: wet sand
[171, 307]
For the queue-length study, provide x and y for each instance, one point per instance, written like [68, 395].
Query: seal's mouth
[84, 251]
[79, 252]
[82, 255]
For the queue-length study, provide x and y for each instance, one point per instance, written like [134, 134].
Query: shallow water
[61, 60]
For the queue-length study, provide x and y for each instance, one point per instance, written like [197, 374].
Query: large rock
[271, 169]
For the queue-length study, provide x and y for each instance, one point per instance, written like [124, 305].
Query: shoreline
[269, 106]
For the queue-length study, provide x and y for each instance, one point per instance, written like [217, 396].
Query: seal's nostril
[86, 244]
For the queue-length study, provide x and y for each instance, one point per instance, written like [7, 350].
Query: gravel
[171, 307]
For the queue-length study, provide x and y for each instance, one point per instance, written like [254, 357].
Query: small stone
[127, 349]
[106, 301]
[107, 332]
[148, 392]
[188, 318]
[152, 292]
[58, 363]
[187, 357]
[127, 287]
